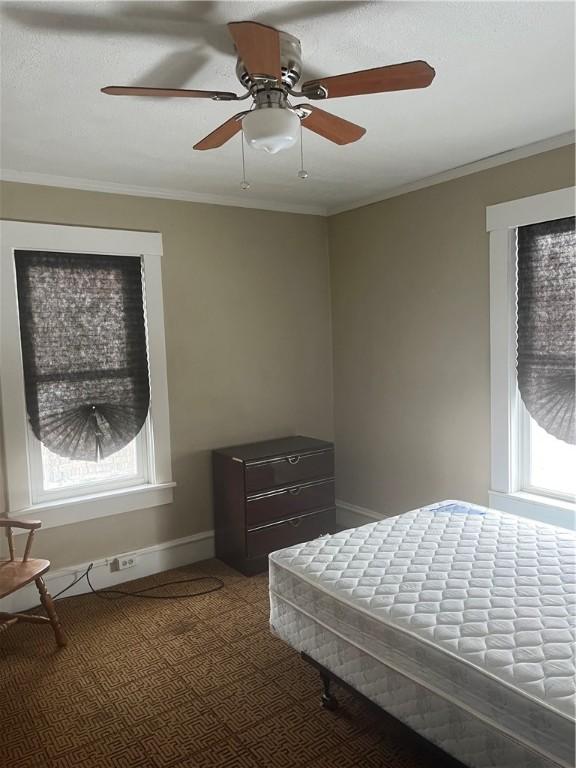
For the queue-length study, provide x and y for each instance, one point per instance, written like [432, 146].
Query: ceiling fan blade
[222, 134]
[258, 46]
[397, 77]
[331, 127]
[128, 90]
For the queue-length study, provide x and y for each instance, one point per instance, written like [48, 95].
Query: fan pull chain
[244, 185]
[302, 173]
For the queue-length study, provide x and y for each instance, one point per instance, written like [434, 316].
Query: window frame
[508, 439]
[95, 500]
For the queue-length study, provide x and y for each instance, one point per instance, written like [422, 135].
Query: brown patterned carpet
[180, 684]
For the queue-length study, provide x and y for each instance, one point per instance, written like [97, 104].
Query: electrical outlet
[123, 562]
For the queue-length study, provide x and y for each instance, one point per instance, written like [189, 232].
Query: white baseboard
[351, 516]
[150, 560]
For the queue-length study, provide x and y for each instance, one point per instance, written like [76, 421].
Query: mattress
[474, 605]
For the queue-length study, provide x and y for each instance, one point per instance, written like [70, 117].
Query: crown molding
[537, 148]
[115, 188]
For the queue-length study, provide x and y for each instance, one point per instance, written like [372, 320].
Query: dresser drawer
[288, 470]
[288, 502]
[262, 541]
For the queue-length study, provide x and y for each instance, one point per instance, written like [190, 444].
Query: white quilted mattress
[475, 605]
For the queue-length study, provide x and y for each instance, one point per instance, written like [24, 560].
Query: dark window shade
[83, 350]
[546, 324]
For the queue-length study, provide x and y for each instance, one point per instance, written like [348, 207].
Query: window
[59, 474]
[82, 354]
[532, 314]
[546, 356]
[548, 465]
[85, 366]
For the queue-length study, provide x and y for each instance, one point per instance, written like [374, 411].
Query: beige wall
[410, 285]
[247, 312]
[247, 306]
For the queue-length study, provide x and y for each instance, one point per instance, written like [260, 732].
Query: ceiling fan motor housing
[290, 62]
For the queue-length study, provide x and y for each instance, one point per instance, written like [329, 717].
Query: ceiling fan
[269, 66]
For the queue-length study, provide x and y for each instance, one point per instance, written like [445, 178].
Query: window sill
[77, 509]
[542, 508]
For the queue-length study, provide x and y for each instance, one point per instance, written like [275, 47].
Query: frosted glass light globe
[271, 129]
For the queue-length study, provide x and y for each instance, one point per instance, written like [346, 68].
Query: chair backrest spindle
[29, 541]
[10, 542]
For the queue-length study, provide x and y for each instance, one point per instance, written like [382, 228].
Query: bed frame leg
[328, 700]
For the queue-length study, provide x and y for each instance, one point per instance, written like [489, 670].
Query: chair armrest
[11, 522]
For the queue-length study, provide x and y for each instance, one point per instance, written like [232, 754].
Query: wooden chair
[15, 574]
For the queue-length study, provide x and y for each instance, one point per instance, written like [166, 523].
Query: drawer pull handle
[295, 491]
[295, 522]
[293, 459]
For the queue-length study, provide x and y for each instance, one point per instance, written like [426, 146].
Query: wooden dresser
[271, 495]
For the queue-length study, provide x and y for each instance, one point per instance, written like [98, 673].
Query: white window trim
[16, 235]
[501, 222]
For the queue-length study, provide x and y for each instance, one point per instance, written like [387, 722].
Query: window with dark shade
[84, 351]
[546, 359]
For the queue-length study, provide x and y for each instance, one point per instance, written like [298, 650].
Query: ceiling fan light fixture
[271, 129]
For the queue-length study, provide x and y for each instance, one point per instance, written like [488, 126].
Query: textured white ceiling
[505, 78]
